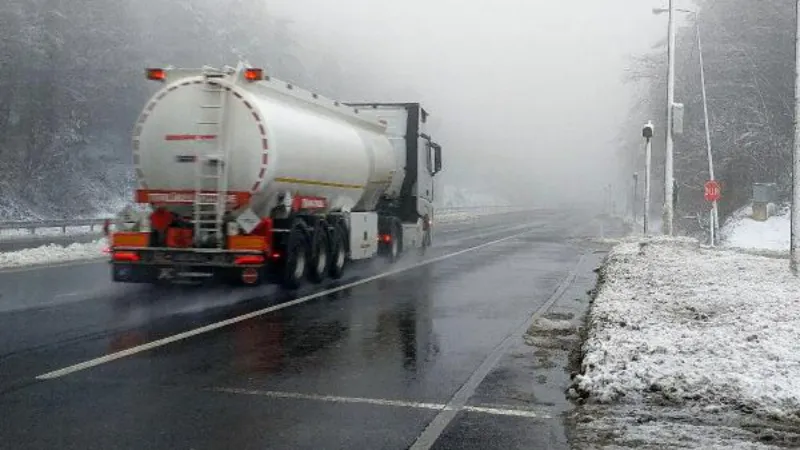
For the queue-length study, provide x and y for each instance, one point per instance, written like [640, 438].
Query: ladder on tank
[211, 168]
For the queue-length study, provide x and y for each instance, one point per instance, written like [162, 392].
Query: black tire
[338, 253]
[320, 254]
[296, 264]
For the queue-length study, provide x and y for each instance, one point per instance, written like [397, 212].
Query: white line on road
[386, 402]
[437, 426]
[215, 326]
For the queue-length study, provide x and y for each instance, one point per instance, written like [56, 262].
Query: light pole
[635, 197]
[706, 122]
[795, 236]
[668, 164]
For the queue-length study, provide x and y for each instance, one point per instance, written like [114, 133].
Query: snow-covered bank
[741, 231]
[705, 332]
[52, 254]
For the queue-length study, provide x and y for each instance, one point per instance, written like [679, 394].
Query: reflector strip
[125, 256]
[249, 259]
[319, 183]
[190, 137]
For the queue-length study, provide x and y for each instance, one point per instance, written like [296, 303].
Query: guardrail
[96, 224]
[32, 225]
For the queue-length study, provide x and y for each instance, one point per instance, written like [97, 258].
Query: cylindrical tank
[273, 138]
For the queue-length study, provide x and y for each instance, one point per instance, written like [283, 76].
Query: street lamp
[715, 211]
[794, 243]
[647, 134]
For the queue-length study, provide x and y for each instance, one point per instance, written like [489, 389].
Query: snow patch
[741, 231]
[679, 324]
[51, 254]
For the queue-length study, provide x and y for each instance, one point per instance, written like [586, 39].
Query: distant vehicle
[247, 178]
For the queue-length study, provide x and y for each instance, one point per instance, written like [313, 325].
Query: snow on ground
[741, 231]
[50, 254]
[713, 333]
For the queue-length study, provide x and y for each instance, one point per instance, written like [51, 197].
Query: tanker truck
[245, 178]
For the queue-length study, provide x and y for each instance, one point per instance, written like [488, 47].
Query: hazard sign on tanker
[315, 182]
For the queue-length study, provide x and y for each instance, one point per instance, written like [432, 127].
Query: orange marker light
[253, 74]
[156, 74]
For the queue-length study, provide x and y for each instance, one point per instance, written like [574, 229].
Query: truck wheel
[320, 252]
[295, 267]
[395, 244]
[338, 257]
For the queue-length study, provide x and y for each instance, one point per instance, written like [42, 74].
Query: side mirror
[437, 158]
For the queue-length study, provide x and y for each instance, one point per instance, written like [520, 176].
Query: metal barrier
[33, 225]
[97, 224]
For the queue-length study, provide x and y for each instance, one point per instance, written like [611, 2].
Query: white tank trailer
[247, 178]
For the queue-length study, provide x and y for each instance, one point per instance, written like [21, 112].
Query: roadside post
[647, 133]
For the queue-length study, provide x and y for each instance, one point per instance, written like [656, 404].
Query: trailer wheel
[338, 257]
[320, 254]
[296, 265]
[395, 243]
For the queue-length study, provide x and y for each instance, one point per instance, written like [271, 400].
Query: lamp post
[706, 122]
[794, 263]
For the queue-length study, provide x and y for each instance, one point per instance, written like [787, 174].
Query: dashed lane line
[217, 325]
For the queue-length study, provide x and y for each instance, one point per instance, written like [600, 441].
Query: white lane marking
[437, 426]
[332, 398]
[385, 402]
[507, 412]
[214, 326]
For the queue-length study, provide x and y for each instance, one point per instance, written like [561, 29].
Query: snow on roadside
[741, 231]
[713, 331]
[51, 254]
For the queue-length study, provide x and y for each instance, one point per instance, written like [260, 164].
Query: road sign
[713, 191]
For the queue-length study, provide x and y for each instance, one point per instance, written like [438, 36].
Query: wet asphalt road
[428, 357]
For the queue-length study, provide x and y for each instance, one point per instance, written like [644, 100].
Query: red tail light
[276, 255]
[386, 238]
[126, 256]
[249, 259]
[253, 74]
[156, 74]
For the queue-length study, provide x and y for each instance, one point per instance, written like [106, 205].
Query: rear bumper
[125, 272]
[159, 265]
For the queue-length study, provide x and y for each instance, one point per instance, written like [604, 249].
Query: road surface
[428, 353]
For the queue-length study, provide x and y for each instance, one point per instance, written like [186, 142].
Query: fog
[527, 96]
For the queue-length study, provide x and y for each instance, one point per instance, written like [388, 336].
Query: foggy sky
[527, 95]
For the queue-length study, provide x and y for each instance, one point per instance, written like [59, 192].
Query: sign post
[712, 193]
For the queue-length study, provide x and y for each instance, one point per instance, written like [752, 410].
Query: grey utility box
[763, 195]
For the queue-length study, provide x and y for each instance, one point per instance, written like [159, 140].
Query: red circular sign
[713, 191]
[250, 276]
